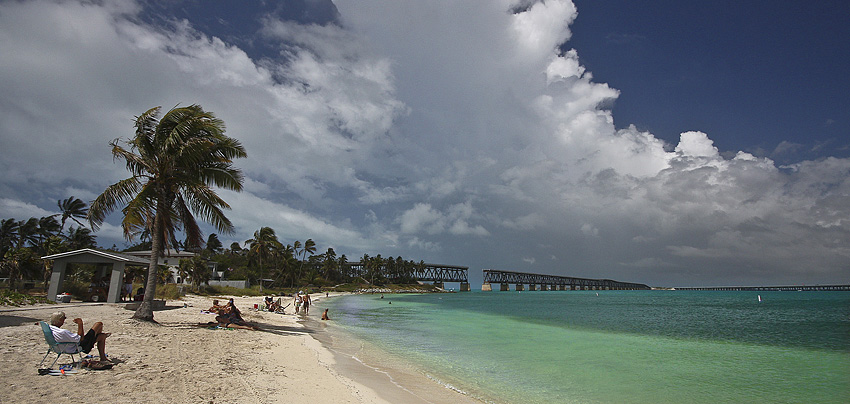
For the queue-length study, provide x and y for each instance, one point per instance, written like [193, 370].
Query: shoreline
[393, 379]
[178, 361]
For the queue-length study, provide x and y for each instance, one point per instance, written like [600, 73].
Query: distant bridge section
[436, 273]
[552, 282]
[801, 288]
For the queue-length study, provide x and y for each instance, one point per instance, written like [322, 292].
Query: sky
[659, 142]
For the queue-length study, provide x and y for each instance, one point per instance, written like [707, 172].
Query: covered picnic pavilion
[107, 262]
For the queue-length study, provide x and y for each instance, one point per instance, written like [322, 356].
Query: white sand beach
[176, 361]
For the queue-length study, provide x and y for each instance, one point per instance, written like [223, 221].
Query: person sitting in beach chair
[87, 341]
[271, 305]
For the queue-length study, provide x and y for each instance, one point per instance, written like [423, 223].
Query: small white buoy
[759, 298]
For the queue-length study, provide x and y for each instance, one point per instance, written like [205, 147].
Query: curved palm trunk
[145, 310]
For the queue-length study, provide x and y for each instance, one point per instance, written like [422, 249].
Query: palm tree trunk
[145, 310]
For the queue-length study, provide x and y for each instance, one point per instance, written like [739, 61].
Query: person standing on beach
[87, 342]
[298, 300]
[306, 303]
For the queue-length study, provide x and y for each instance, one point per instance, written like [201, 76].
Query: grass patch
[206, 290]
[12, 298]
[167, 292]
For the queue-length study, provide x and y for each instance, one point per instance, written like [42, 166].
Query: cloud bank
[450, 131]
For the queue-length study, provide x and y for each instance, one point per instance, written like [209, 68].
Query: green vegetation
[23, 242]
[12, 298]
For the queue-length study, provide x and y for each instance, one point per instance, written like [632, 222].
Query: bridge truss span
[552, 282]
[424, 272]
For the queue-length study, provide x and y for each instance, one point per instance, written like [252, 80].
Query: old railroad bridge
[552, 282]
[439, 274]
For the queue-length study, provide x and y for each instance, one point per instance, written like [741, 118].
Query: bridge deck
[521, 278]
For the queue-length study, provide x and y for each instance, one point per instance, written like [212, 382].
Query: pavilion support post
[57, 279]
[116, 281]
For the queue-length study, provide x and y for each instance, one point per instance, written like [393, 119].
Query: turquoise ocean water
[617, 347]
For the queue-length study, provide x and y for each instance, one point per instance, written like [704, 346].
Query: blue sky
[753, 74]
[667, 143]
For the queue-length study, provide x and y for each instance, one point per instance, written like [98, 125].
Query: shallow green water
[619, 346]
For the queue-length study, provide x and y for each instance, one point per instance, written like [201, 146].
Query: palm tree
[286, 260]
[14, 261]
[47, 227]
[71, 208]
[174, 162]
[27, 232]
[214, 245]
[329, 264]
[80, 237]
[309, 247]
[344, 268]
[262, 247]
[8, 235]
[196, 269]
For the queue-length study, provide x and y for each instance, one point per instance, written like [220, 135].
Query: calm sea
[617, 346]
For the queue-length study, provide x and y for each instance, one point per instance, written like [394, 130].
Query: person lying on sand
[87, 342]
[228, 316]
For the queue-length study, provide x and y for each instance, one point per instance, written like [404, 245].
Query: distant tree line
[24, 242]
[264, 260]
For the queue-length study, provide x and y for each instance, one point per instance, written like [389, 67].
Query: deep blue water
[619, 346]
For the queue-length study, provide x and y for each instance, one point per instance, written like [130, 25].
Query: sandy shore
[176, 361]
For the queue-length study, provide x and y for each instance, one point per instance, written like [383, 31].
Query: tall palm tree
[285, 262]
[329, 265]
[8, 235]
[27, 232]
[344, 268]
[174, 162]
[262, 248]
[309, 247]
[71, 208]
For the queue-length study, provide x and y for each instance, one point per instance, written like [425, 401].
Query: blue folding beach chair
[58, 347]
